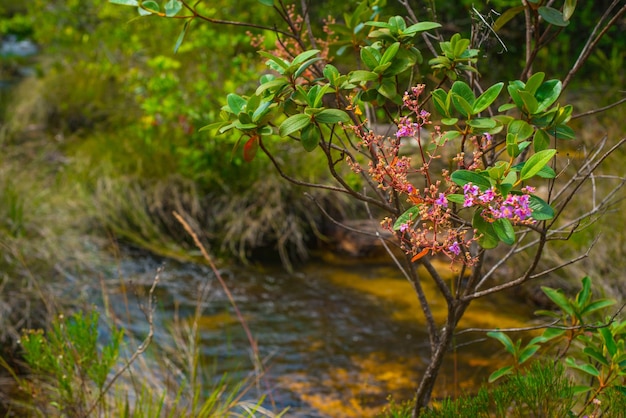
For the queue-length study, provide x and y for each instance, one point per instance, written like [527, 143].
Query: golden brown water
[340, 336]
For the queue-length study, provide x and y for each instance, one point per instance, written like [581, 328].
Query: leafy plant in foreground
[592, 348]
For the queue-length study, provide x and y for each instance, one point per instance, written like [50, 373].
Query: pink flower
[441, 200]
[455, 248]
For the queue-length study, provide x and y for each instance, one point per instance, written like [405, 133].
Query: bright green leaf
[269, 3]
[125, 2]
[172, 7]
[541, 210]
[568, 9]
[536, 162]
[294, 123]
[504, 339]
[310, 137]
[557, 296]
[597, 305]
[236, 103]
[151, 6]
[462, 177]
[487, 98]
[332, 116]
[547, 94]
[504, 230]
[527, 353]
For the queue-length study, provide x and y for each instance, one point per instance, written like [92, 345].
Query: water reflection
[338, 338]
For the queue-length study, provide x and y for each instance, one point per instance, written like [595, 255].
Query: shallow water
[337, 338]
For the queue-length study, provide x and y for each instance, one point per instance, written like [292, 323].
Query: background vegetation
[103, 143]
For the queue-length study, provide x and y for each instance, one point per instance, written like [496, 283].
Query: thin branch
[316, 185]
[197, 15]
[149, 313]
[592, 43]
[599, 110]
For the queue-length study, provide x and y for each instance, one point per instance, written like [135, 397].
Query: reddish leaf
[420, 255]
[250, 148]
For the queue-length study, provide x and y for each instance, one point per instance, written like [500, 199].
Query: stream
[337, 338]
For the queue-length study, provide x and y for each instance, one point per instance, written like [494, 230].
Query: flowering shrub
[459, 171]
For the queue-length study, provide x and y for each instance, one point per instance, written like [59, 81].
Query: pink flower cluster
[514, 207]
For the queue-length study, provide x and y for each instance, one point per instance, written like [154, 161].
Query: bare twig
[149, 314]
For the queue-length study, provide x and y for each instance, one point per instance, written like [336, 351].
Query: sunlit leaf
[547, 94]
[294, 123]
[487, 98]
[125, 2]
[536, 162]
[541, 210]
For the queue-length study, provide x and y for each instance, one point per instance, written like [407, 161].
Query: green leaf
[294, 123]
[504, 339]
[596, 355]
[582, 298]
[568, 9]
[546, 172]
[596, 306]
[541, 210]
[499, 373]
[358, 76]
[552, 333]
[547, 94]
[181, 36]
[504, 230]
[609, 341]
[310, 137]
[462, 177]
[388, 89]
[530, 102]
[541, 140]
[482, 123]
[332, 116]
[172, 7]
[449, 121]
[421, 27]
[280, 66]
[488, 238]
[487, 98]
[440, 100]
[557, 296]
[331, 73]
[269, 3]
[412, 214]
[448, 136]
[368, 57]
[236, 103]
[275, 84]
[456, 198]
[527, 353]
[536, 162]
[521, 129]
[507, 106]
[463, 90]
[506, 16]
[305, 65]
[564, 132]
[125, 2]
[553, 16]
[390, 53]
[151, 6]
[586, 368]
[534, 82]
[304, 56]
